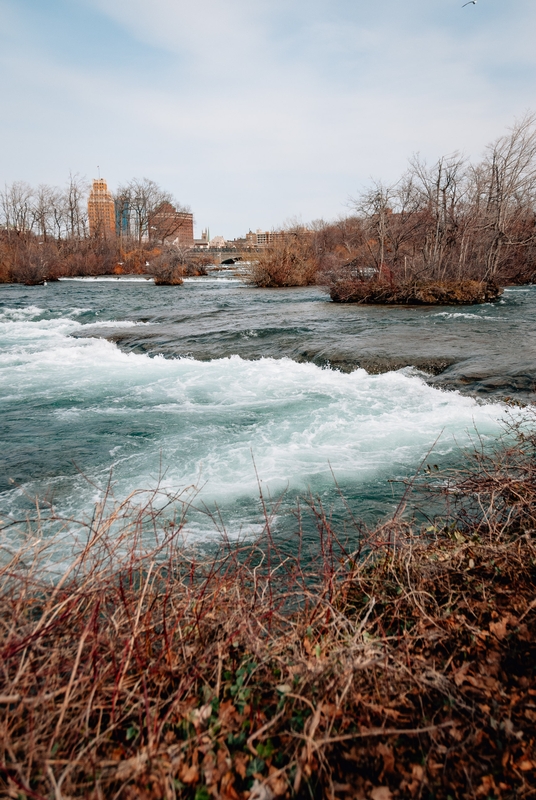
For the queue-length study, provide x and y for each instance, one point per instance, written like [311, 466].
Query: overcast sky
[256, 111]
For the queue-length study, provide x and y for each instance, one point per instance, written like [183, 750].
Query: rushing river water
[219, 385]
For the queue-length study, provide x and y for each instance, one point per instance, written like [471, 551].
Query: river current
[224, 387]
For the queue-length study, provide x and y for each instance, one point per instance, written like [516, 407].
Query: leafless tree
[75, 206]
[148, 212]
[47, 212]
[374, 206]
[507, 182]
[16, 203]
[440, 189]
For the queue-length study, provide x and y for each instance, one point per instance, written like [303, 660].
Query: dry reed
[406, 669]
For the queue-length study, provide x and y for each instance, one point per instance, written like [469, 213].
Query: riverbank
[405, 668]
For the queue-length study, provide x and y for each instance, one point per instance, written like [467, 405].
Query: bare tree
[16, 203]
[139, 200]
[508, 188]
[47, 211]
[149, 213]
[75, 206]
[441, 189]
[374, 206]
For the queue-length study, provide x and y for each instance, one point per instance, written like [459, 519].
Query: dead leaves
[386, 753]
[200, 717]
[381, 793]
[500, 629]
[189, 774]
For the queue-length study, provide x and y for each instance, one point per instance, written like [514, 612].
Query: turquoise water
[210, 386]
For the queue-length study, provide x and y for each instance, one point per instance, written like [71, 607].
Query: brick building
[167, 224]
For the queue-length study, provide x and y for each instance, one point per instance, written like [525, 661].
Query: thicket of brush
[25, 258]
[291, 260]
[404, 669]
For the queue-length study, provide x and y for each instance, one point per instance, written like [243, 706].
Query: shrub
[289, 261]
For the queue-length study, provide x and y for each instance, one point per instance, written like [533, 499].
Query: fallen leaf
[487, 787]
[261, 791]
[381, 793]
[201, 716]
[498, 629]
[227, 790]
[277, 782]
[131, 767]
[461, 674]
[386, 753]
[241, 764]
[189, 775]
[456, 733]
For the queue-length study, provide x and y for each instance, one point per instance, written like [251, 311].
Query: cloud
[254, 112]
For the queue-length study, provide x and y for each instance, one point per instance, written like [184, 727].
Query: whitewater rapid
[77, 410]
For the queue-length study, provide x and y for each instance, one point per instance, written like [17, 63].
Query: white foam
[111, 279]
[464, 315]
[18, 314]
[203, 279]
[112, 323]
[221, 423]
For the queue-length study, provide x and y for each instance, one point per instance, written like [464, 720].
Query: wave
[465, 315]
[208, 423]
[204, 279]
[18, 314]
[75, 408]
[33, 325]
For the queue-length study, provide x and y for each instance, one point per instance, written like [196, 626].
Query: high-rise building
[101, 210]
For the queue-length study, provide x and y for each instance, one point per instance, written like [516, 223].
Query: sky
[256, 112]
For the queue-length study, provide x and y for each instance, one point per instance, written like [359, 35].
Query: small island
[414, 293]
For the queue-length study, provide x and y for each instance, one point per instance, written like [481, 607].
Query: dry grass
[403, 670]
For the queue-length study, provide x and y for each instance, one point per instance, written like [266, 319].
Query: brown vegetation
[44, 233]
[289, 261]
[404, 669]
[455, 219]
[172, 264]
[438, 226]
[457, 292]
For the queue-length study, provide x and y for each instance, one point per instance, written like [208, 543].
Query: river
[228, 388]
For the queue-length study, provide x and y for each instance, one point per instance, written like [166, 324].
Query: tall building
[101, 210]
[122, 216]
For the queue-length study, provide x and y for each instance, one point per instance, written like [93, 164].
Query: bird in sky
[470, 3]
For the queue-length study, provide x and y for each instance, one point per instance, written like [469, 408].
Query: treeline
[453, 231]
[446, 223]
[44, 233]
